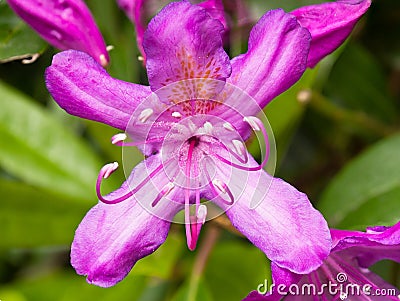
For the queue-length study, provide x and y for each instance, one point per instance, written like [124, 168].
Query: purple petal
[186, 47]
[84, 89]
[383, 286]
[389, 236]
[329, 24]
[284, 225]
[385, 235]
[112, 238]
[369, 255]
[216, 10]
[64, 24]
[275, 60]
[369, 247]
[352, 254]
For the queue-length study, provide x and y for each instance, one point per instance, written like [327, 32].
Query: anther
[164, 192]
[167, 189]
[145, 114]
[103, 60]
[140, 58]
[201, 214]
[118, 138]
[109, 48]
[208, 127]
[220, 185]
[176, 114]
[239, 147]
[254, 122]
[192, 127]
[228, 127]
[108, 169]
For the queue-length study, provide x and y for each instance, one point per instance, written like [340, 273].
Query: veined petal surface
[84, 89]
[189, 47]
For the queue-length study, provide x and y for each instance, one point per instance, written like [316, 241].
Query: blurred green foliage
[17, 40]
[341, 146]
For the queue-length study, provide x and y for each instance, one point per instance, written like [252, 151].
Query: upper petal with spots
[184, 47]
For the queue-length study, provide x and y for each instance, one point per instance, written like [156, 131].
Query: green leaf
[367, 191]
[36, 148]
[234, 269]
[363, 87]
[118, 30]
[69, 286]
[202, 292]
[30, 217]
[17, 40]
[285, 111]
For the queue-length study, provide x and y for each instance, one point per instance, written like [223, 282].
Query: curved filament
[110, 168]
[256, 125]
[119, 139]
[217, 186]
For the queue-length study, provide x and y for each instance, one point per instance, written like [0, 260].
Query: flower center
[194, 146]
[194, 152]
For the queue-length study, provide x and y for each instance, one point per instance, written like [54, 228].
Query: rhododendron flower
[65, 24]
[191, 124]
[345, 269]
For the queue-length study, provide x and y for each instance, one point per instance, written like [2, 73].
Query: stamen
[116, 139]
[253, 122]
[255, 168]
[192, 127]
[164, 192]
[208, 127]
[103, 60]
[145, 114]
[222, 187]
[232, 152]
[119, 138]
[176, 114]
[108, 169]
[196, 222]
[202, 214]
[109, 48]
[228, 127]
[140, 58]
[239, 147]
[257, 125]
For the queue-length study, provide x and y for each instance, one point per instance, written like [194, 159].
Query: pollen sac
[65, 24]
